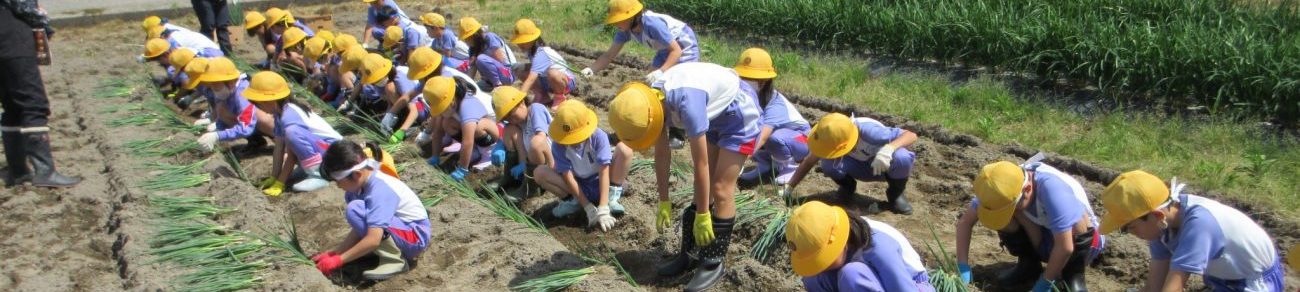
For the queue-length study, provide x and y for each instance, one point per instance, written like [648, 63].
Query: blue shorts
[735, 130]
[590, 188]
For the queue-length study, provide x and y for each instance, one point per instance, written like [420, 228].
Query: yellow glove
[266, 183]
[703, 228]
[274, 190]
[665, 215]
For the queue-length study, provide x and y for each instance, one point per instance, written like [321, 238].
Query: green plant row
[555, 281]
[1224, 53]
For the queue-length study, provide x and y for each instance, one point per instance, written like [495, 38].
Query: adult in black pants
[213, 19]
[24, 124]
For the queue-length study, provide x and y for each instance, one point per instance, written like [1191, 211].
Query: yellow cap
[1293, 257]
[525, 31]
[422, 62]
[325, 34]
[266, 86]
[352, 60]
[150, 22]
[194, 71]
[637, 115]
[505, 98]
[392, 36]
[180, 57]
[375, 67]
[293, 36]
[386, 164]
[833, 136]
[439, 92]
[156, 32]
[156, 47]
[1131, 195]
[343, 42]
[278, 16]
[314, 48]
[220, 69]
[368, 1]
[998, 186]
[620, 10]
[253, 19]
[755, 63]
[817, 234]
[468, 26]
[433, 19]
[574, 122]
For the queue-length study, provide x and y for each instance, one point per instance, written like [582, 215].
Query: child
[836, 251]
[277, 22]
[470, 121]
[525, 135]
[443, 39]
[398, 92]
[1041, 215]
[185, 38]
[589, 169]
[386, 216]
[152, 21]
[491, 59]
[236, 118]
[400, 40]
[673, 41]
[548, 75]
[290, 50]
[159, 50]
[377, 15]
[1189, 234]
[783, 140]
[860, 149]
[300, 135]
[426, 64]
[721, 123]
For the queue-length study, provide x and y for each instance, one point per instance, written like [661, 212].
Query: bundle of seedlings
[944, 278]
[554, 281]
[288, 244]
[185, 208]
[115, 88]
[175, 177]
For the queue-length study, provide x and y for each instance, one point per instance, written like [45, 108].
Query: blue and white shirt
[1059, 202]
[658, 31]
[695, 94]
[584, 159]
[539, 122]
[1217, 241]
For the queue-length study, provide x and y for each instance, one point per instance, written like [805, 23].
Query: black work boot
[1028, 265]
[713, 258]
[19, 173]
[682, 262]
[897, 202]
[44, 175]
[1072, 275]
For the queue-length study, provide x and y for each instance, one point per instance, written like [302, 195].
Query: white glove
[388, 121]
[654, 77]
[606, 221]
[202, 122]
[365, 46]
[884, 157]
[139, 58]
[212, 127]
[591, 214]
[587, 72]
[208, 141]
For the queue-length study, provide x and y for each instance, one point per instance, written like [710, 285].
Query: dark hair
[340, 156]
[480, 41]
[376, 153]
[462, 89]
[294, 101]
[387, 12]
[859, 233]
[537, 44]
[765, 92]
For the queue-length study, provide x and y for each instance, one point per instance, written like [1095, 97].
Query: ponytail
[376, 152]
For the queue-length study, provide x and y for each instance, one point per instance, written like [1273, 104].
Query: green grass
[133, 120]
[1166, 145]
[494, 201]
[554, 281]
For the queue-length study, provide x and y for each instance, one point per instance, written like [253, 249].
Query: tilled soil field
[96, 236]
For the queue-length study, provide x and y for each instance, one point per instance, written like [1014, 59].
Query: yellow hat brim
[1113, 221]
[525, 38]
[464, 35]
[996, 219]
[576, 136]
[654, 129]
[192, 82]
[807, 264]
[420, 74]
[213, 77]
[819, 149]
[502, 108]
[376, 76]
[253, 95]
[752, 73]
[613, 18]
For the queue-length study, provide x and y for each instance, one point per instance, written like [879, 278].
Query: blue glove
[517, 171]
[1043, 285]
[433, 161]
[459, 174]
[964, 270]
[499, 154]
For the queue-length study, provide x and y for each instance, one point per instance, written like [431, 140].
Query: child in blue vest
[860, 149]
[589, 169]
[491, 58]
[301, 136]
[834, 250]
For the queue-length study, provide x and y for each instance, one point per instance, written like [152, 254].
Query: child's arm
[607, 57]
[572, 184]
[364, 245]
[467, 147]
[277, 157]
[604, 186]
[287, 168]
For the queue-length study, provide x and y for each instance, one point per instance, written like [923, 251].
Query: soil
[101, 227]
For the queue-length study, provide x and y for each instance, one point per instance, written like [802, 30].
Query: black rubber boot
[682, 262]
[847, 190]
[44, 174]
[1028, 265]
[256, 141]
[897, 202]
[1072, 275]
[713, 258]
[19, 173]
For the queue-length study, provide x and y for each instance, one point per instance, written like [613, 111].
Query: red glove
[328, 263]
[318, 256]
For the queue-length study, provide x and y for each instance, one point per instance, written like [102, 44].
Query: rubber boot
[1028, 265]
[566, 207]
[19, 173]
[897, 202]
[682, 261]
[848, 193]
[1072, 275]
[713, 258]
[43, 172]
[615, 193]
[391, 262]
[313, 181]
[505, 181]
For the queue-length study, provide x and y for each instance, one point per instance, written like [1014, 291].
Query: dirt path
[102, 226]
